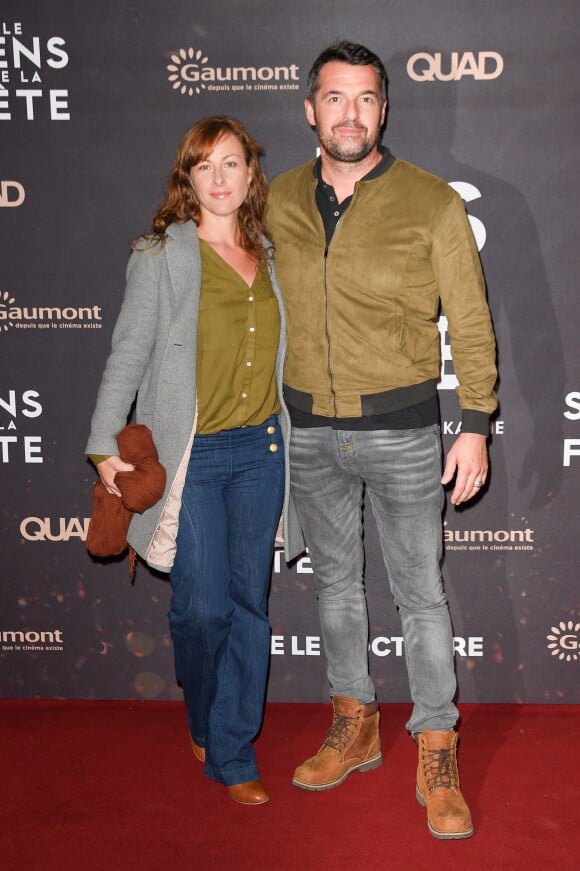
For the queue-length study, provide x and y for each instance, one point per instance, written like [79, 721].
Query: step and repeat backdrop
[94, 97]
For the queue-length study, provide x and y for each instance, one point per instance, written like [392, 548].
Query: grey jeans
[401, 470]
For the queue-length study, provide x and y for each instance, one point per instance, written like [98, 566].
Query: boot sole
[442, 836]
[320, 787]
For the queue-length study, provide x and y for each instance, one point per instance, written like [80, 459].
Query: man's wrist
[475, 421]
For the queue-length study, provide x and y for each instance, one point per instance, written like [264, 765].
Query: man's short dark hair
[348, 53]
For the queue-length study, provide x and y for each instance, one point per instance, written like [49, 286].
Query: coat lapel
[184, 267]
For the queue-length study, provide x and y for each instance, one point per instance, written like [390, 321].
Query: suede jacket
[362, 313]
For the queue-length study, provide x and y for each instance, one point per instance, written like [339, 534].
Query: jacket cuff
[98, 458]
[475, 421]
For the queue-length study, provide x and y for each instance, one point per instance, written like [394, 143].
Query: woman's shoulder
[185, 231]
[147, 244]
[152, 243]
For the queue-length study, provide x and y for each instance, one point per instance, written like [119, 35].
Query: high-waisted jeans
[231, 506]
[401, 470]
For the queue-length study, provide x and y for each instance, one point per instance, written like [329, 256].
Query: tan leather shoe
[198, 752]
[438, 788]
[352, 744]
[251, 792]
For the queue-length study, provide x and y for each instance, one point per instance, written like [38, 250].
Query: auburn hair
[181, 204]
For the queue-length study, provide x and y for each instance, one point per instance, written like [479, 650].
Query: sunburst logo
[5, 301]
[563, 641]
[184, 71]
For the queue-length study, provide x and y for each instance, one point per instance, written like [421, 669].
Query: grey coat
[153, 358]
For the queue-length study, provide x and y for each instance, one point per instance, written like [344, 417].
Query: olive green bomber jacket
[362, 314]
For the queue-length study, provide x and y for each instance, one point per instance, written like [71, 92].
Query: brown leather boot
[438, 789]
[352, 744]
[251, 792]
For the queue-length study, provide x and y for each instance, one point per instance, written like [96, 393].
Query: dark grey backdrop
[490, 104]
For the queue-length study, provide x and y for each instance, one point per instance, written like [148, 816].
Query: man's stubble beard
[335, 151]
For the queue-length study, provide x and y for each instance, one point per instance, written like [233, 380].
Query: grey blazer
[153, 358]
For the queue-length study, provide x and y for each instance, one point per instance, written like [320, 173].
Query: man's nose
[352, 109]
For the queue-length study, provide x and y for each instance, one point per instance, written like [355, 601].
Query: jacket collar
[385, 163]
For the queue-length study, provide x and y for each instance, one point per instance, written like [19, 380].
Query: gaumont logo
[47, 317]
[424, 67]
[564, 641]
[491, 540]
[19, 641]
[54, 529]
[11, 194]
[190, 74]
[24, 61]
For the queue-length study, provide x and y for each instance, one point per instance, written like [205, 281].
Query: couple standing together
[293, 392]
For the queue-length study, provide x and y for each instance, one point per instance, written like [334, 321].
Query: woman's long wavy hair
[181, 203]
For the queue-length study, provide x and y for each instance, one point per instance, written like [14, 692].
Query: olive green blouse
[237, 341]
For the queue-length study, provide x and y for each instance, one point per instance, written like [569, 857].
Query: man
[367, 246]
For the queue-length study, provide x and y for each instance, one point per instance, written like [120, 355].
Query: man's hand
[107, 471]
[468, 457]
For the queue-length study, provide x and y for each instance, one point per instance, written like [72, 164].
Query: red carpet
[107, 785]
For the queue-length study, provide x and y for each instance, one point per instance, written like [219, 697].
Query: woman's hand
[107, 470]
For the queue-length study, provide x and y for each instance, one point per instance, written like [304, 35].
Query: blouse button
[244, 395]
[249, 363]
[250, 299]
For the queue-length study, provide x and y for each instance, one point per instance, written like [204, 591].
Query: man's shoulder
[292, 177]
[414, 176]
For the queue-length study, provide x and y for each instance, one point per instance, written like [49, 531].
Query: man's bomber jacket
[362, 313]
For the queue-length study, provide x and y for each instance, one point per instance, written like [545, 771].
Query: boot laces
[340, 733]
[440, 768]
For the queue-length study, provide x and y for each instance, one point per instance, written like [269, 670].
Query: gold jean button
[273, 448]
[271, 430]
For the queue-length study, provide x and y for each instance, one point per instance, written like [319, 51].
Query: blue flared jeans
[231, 505]
[401, 470]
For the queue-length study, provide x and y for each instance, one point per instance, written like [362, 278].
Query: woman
[200, 341]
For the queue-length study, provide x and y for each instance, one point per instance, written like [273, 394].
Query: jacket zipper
[328, 367]
[328, 363]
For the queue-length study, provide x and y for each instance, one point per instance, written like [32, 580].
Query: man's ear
[384, 112]
[309, 109]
